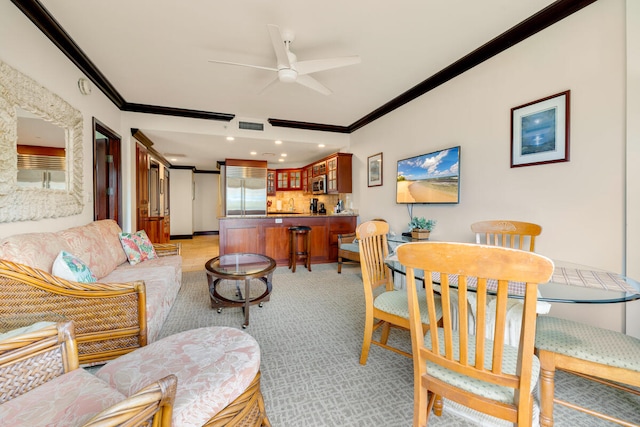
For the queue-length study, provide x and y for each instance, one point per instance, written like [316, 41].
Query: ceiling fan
[289, 69]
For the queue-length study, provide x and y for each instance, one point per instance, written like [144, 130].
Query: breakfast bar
[269, 235]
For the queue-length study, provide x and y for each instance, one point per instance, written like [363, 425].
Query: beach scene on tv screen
[430, 178]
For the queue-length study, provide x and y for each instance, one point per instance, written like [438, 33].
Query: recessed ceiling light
[230, 138]
[283, 155]
[278, 142]
[173, 159]
[253, 153]
[281, 160]
[321, 145]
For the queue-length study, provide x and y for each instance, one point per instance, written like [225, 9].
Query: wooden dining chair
[511, 234]
[590, 352]
[390, 307]
[507, 233]
[488, 376]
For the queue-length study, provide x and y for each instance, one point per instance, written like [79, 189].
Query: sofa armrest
[153, 403]
[30, 359]
[166, 249]
[110, 318]
[346, 238]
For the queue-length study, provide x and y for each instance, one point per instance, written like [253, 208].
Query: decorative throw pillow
[144, 245]
[70, 267]
[130, 248]
[137, 246]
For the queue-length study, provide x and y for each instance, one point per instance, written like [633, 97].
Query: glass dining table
[570, 283]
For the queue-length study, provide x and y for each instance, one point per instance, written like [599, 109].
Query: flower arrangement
[421, 227]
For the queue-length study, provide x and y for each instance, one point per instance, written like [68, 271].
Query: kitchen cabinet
[319, 168]
[288, 179]
[282, 180]
[307, 179]
[339, 173]
[295, 181]
[336, 167]
[271, 182]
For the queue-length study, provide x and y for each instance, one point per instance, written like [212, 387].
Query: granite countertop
[275, 214]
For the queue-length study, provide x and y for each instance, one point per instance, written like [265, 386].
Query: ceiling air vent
[251, 126]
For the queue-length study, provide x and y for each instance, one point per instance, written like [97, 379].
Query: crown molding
[550, 15]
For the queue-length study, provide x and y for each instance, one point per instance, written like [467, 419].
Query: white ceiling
[156, 52]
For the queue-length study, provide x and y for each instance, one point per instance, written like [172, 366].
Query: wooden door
[107, 175]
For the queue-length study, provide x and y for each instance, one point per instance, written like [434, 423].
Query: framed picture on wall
[374, 170]
[540, 131]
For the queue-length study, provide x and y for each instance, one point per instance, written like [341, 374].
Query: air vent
[251, 126]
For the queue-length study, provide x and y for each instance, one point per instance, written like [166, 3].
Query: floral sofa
[123, 310]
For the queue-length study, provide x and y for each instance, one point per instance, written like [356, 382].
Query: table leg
[247, 300]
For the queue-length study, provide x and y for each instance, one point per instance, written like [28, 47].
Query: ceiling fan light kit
[287, 75]
[289, 70]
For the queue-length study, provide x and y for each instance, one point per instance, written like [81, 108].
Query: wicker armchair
[32, 361]
[110, 319]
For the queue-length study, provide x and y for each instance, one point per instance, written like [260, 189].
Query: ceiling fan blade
[243, 65]
[315, 65]
[279, 46]
[312, 83]
[271, 83]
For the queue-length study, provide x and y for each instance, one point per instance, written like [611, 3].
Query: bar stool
[294, 253]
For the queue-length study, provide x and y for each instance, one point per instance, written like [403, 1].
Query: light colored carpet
[310, 336]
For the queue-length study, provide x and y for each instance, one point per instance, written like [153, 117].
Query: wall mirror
[41, 153]
[21, 100]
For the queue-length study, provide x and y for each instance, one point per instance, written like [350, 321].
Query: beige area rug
[310, 334]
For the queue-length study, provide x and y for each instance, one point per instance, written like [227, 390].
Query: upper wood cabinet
[307, 179]
[271, 182]
[339, 173]
[336, 167]
[319, 168]
[288, 179]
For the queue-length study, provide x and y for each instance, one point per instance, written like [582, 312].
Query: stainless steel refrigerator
[245, 191]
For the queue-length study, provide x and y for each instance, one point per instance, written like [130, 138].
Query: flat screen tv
[429, 178]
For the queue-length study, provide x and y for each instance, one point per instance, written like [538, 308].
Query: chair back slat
[509, 234]
[372, 243]
[464, 268]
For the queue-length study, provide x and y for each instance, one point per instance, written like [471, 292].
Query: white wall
[205, 210]
[25, 48]
[181, 188]
[633, 158]
[580, 204]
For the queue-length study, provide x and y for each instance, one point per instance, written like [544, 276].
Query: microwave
[319, 184]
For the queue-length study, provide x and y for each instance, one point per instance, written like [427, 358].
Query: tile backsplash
[302, 201]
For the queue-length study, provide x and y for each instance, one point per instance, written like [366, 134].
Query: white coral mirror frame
[26, 204]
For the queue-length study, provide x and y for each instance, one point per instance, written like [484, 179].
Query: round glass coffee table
[225, 274]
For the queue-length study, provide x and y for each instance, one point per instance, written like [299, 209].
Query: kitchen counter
[305, 214]
[269, 235]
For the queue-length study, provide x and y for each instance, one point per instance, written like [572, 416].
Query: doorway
[107, 174]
